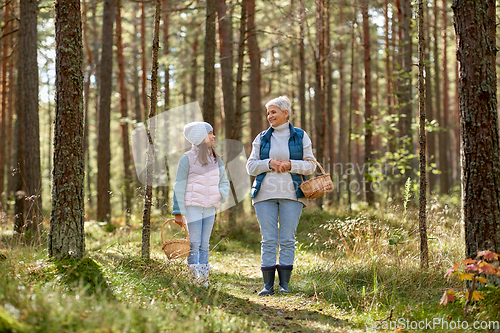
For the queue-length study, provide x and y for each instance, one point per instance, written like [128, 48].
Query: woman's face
[275, 116]
[209, 139]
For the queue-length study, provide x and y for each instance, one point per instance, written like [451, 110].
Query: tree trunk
[31, 121]
[144, 96]
[475, 24]
[444, 136]
[329, 99]
[11, 179]
[138, 114]
[20, 174]
[429, 105]
[256, 124]
[3, 130]
[422, 201]
[406, 135]
[388, 73]
[302, 67]
[349, 124]
[103, 146]
[342, 143]
[67, 236]
[127, 179]
[236, 132]
[166, 25]
[146, 223]
[370, 196]
[194, 68]
[319, 96]
[437, 91]
[86, 92]
[209, 63]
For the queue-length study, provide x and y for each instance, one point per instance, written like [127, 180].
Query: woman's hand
[179, 220]
[280, 165]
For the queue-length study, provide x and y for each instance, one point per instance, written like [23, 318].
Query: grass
[350, 271]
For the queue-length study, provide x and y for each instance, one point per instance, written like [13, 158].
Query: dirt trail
[238, 278]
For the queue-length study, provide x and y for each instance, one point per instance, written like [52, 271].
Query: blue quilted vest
[296, 153]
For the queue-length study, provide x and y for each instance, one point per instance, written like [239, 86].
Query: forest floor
[352, 274]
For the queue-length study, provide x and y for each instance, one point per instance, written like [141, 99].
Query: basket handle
[311, 160]
[171, 220]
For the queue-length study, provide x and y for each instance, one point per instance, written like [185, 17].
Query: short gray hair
[282, 102]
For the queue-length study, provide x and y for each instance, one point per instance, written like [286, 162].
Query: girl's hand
[179, 220]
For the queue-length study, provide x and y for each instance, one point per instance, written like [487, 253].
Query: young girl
[200, 185]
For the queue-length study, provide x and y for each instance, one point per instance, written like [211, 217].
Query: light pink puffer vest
[202, 188]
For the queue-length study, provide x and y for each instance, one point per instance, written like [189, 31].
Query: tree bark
[444, 136]
[146, 223]
[127, 178]
[342, 143]
[20, 173]
[370, 196]
[256, 124]
[33, 178]
[236, 132]
[209, 63]
[422, 201]
[429, 105]
[3, 130]
[144, 95]
[67, 236]
[475, 24]
[319, 85]
[437, 90]
[86, 92]
[103, 144]
[302, 66]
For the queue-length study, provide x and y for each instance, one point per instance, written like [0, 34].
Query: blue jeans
[200, 221]
[269, 212]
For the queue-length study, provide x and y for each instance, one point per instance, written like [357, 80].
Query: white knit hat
[196, 132]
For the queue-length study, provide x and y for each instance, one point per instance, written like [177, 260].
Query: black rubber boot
[268, 277]
[284, 273]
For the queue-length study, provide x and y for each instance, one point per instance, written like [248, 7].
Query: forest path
[238, 278]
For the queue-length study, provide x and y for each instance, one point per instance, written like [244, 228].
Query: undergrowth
[349, 270]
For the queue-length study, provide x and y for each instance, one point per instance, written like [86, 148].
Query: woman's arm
[180, 186]
[256, 166]
[304, 167]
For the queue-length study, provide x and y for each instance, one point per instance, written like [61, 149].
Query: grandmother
[278, 162]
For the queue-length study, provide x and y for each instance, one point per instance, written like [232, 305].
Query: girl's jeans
[269, 212]
[200, 221]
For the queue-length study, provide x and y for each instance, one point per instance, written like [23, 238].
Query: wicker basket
[318, 186]
[175, 248]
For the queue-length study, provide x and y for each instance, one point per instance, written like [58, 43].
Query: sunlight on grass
[348, 270]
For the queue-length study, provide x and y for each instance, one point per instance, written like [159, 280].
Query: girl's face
[275, 116]
[209, 139]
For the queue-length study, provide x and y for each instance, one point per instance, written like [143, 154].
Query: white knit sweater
[276, 185]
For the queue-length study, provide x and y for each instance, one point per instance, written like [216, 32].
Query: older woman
[278, 162]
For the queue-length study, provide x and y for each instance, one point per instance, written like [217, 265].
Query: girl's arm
[304, 167]
[223, 182]
[180, 186]
[256, 166]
